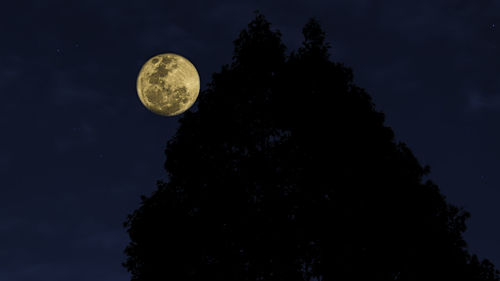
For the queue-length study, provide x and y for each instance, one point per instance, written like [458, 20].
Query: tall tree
[287, 172]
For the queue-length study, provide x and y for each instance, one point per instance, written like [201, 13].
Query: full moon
[168, 84]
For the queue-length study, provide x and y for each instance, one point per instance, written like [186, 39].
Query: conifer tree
[287, 172]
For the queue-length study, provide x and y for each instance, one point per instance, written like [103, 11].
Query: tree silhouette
[287, 172]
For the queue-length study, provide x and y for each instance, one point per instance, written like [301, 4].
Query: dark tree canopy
[287, 172]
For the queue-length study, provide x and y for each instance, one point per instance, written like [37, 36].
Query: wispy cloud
[479, 101]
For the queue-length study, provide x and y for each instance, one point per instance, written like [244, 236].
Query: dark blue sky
[77, 148]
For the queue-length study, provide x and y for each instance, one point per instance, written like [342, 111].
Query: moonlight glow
[168, 84]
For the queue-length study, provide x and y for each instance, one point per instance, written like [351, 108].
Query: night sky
[77, 148]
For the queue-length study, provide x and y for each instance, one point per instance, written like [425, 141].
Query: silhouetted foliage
[287, 172]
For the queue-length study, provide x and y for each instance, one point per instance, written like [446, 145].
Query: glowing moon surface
[168, 84]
